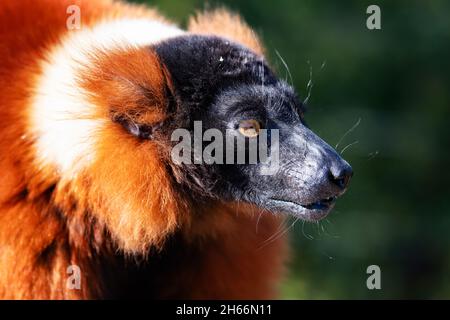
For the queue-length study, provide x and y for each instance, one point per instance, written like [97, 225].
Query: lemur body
[47, 219]
[87, 178]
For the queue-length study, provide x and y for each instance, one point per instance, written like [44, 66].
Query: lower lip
[321, 205]
[311, 212]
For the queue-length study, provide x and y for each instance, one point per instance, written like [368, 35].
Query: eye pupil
[249, 128]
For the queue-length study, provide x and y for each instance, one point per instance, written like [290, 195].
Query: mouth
[314, 211]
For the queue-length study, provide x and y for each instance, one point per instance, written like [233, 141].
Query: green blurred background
[395, 83]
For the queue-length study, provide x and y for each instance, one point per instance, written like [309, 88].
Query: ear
[223, 23]
[134, 89]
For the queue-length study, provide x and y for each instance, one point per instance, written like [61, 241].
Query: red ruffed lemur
[87, 174]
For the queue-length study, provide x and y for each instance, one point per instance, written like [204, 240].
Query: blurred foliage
[395, 81]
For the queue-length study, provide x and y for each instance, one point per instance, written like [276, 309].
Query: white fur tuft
[58, 116]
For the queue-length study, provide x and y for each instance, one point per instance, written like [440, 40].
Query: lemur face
[226, 87]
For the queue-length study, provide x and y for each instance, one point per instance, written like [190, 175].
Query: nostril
[341, 177]
[341, 182]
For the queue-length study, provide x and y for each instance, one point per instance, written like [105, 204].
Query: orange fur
[124, 203]
[223, 23]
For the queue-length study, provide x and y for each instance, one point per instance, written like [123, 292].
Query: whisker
[348, 146]
[372, 155]
[323, 229]
[257, 221]
[307, 236]
[326, 231]
[327, 255]
[286, 66]
[263, 211]
[348, 132]
[278, 235]
[261, 72]
[278, 231]
[317, 223]
[310, 84]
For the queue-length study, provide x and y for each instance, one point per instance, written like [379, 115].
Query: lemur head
[105, 124]
[215, 84]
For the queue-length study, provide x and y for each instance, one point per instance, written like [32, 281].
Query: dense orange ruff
[113, 211]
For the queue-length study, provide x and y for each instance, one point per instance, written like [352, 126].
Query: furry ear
[223, 23]
[139, 130]
[133, 87]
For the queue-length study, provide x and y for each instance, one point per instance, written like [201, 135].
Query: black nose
[340, 175]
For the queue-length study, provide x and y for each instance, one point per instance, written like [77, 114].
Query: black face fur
[220, 84]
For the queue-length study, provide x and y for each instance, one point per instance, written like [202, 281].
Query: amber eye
[249, 128]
